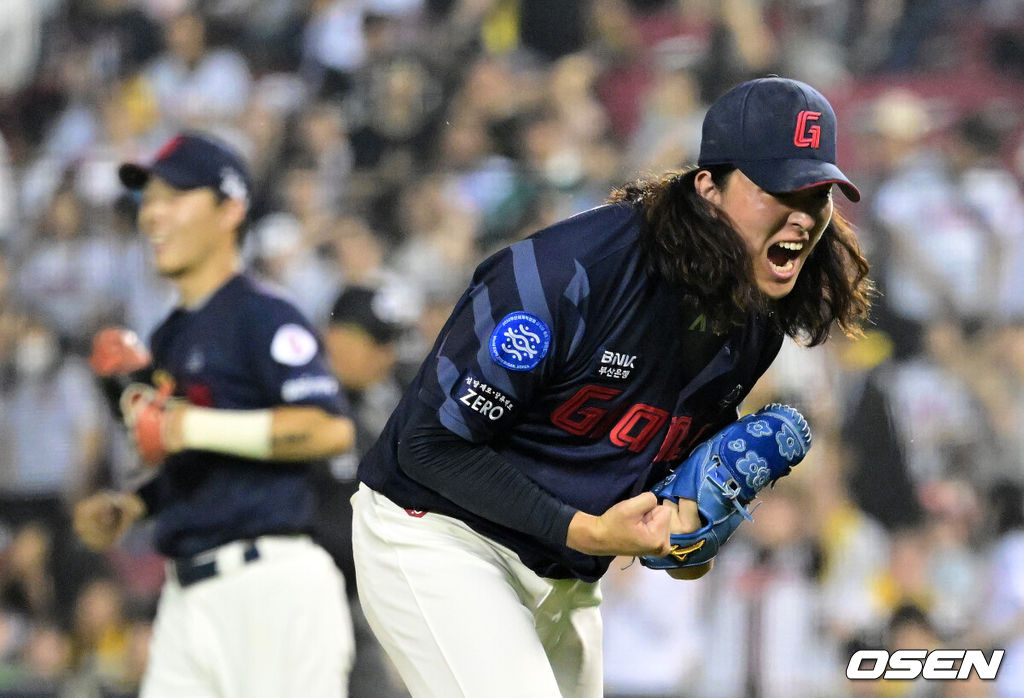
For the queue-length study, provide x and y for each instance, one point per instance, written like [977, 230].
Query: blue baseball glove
[725, 473]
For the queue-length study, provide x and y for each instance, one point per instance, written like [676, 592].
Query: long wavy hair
[691, 243]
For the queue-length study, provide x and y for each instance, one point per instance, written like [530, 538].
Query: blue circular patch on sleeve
[520, 341]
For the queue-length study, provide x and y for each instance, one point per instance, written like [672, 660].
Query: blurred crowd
[395, 143]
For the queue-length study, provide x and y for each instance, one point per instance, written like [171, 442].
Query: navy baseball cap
[780, 133]
[366, 308]
[192, 161]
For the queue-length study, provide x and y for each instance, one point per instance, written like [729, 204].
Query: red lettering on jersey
[608, 421]
[416, 513]
[672, 446]
[632, 427]
[679, 441]
[648, 418]
[199, 394]
[804, 136]
[576, 419]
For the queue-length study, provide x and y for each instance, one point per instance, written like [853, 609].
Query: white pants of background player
[276, 626]
[460, 615]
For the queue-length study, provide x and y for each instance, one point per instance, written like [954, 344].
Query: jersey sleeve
[289, 360]
[503, 342]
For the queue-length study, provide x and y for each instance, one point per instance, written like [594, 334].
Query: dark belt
[188, 571]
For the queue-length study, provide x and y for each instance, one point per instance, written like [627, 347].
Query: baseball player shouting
[242, 404]
[579, 367]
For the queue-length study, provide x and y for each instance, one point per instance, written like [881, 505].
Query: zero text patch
[482, 398]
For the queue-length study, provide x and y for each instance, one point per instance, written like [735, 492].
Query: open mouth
[782, 255]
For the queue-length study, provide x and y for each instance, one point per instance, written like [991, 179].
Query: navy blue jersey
[581, 368]
[244, 348]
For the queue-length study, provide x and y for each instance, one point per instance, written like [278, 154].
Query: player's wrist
[246, 433]
[173, 427]
[581, 533]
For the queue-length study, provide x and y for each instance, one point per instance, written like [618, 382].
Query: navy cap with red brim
[191, 161]
[780, 133]
[783, 176]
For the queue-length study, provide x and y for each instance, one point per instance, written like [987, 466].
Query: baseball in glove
[725, 473]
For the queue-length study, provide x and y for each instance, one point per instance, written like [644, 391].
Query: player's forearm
[293, 433]
[634, 526]
[309, 433]
[581, 533]
[480, 480]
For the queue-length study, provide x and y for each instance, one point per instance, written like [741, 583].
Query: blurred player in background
[362, 336]
[242, 405]
[580, 365]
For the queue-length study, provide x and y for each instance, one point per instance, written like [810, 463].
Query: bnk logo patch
[520, 341]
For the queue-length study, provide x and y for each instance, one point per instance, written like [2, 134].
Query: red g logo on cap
[807, 136]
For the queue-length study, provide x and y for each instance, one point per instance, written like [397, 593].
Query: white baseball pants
[460, 615]
[273, 627]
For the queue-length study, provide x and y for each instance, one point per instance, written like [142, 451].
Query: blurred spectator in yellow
[101, 636]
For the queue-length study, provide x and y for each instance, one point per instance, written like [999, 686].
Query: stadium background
[395, 143]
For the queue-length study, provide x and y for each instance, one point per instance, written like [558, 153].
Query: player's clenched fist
[100, 520]
[631, 527]
[117, 351]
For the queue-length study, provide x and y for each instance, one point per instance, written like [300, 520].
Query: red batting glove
[146, 413]
[117, 351]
